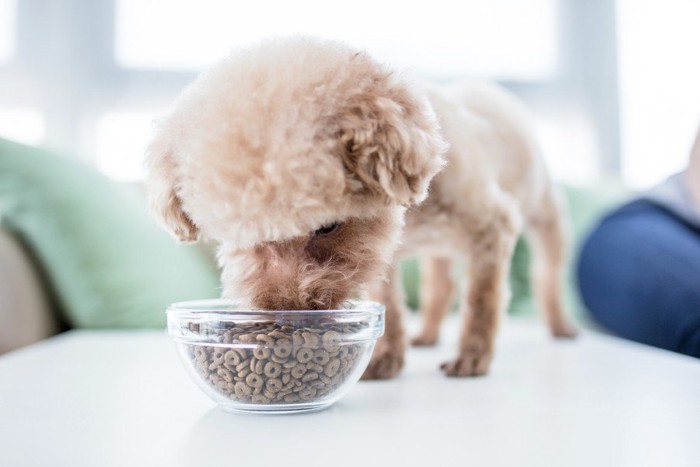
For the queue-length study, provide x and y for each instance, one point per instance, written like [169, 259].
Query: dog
[305, 160]
[495, 187]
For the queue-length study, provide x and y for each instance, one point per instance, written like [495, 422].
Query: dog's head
[299, 157]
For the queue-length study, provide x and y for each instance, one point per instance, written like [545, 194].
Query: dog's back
[491, 141]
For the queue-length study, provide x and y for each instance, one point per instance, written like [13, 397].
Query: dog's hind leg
[437, 290]
[388, 357]
[546, 235]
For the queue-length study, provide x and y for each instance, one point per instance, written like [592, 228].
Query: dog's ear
[161, 186]
[390, 145]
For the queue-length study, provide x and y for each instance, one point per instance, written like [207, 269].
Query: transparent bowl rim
[221, 308]
[201, 311]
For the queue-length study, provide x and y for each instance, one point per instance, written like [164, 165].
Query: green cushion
[109, 265]
[585, 207]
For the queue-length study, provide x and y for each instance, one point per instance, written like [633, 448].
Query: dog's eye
[326, 229]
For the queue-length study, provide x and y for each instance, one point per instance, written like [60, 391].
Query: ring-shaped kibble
[282, 348]
[247, 338]
[217, 359]
[226, 374]
[332, 368]
[305, 355]
[310, 339]
[307, 393]
[231, 358]
[277, 359]
[202, 369]
[200, 354]
[265, 339]
[273, 385]
[297, 340]
[310, 376]
[260, 399]
[215, 379]
[272, 369]
[321, 357]
[241, 389]
[318, 384]
[259, 366]
[302, 363]
[229, 388]
[324, 379]
[254, 380]
[331, 341]
[261, 353]
[298, 371]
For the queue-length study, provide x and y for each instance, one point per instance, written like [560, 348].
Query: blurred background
[613, 85]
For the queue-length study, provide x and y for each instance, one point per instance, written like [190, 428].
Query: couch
[78, 250]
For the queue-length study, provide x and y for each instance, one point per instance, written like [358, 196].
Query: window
[23, 125]
[659, 86]
[7, 30]
[116, 65]
[459, 38]
[121, 139]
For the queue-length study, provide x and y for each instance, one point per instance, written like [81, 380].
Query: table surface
[121, 398]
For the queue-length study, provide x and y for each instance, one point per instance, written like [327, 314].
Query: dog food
[271, 363]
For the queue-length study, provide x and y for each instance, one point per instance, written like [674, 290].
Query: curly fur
[280, 139]
[312, 272]
[283, 137]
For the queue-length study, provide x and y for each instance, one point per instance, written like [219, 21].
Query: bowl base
[276, 409]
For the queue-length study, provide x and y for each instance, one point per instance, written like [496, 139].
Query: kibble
[277, 364]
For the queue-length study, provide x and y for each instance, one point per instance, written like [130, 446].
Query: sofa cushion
[108, 263]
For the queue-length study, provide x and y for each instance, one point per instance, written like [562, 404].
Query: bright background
[613, 86]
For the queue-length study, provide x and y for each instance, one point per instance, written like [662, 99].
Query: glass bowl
[274, 361]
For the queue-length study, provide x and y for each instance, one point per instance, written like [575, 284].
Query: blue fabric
[639, 275]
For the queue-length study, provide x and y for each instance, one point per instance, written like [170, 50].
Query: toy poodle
[305, 160]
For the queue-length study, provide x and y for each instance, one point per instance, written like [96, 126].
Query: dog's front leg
[490, 252]
[387, 359]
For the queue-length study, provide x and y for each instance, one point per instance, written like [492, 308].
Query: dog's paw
[424, 340]
[468, 364]
[564, 331]
[385, 364]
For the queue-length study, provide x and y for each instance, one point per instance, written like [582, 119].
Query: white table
[122, 399]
